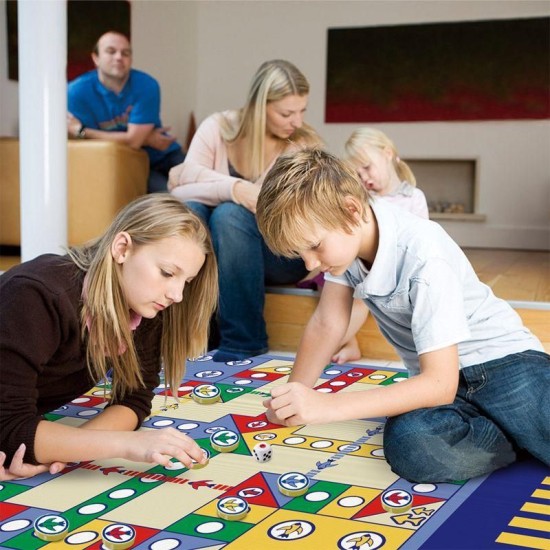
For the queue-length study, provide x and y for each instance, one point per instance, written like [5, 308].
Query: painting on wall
[476, 70]
[87, 20]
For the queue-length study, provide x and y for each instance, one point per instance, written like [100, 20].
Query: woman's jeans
[501, 407]
[245, 265]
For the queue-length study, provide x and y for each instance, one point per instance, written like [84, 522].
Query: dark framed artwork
[87, 20]
[475, 70]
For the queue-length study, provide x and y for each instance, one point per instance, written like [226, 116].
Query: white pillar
[42, 38]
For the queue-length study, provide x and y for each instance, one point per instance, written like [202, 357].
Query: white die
[262, 452]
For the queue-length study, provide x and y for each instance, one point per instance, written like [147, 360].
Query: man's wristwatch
[81, 134]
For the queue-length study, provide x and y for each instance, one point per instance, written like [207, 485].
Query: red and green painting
[476, 70]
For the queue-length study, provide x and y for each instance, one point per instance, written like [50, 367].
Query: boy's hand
[19, 470]
[161, 445]
[295, 404]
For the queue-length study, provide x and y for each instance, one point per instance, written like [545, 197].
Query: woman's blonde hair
[356, 151]
[303, 189]
[273, 81]
[105, 310]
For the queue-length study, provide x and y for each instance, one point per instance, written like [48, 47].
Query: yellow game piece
[51, 527]
[198, 465]
[224, 441]
[293, 484]
[396, 501]
[232, 508]
[206, 394]
[118, 536]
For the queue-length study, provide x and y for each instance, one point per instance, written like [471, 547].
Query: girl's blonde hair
[147, 220]
[273, 81]
[356, 151]
[304, 189]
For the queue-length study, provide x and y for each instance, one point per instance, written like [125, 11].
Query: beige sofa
[103, 176]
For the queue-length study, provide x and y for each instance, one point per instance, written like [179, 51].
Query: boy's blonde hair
[147, 220]
[273, 81]
[356, 151]
[306, 188]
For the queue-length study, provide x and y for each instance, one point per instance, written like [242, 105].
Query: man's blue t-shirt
[102, 109]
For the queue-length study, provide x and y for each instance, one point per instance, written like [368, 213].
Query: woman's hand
[174, 176]
[246, 194]
[295, 404]
[19, 470]
[160, 445]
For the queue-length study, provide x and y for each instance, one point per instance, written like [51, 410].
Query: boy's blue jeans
[245, 265]
[501, 407]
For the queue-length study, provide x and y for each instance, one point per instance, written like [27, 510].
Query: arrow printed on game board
[408, 518]
[359, 542]
[327, 464]
[201, 483]
[291, 529]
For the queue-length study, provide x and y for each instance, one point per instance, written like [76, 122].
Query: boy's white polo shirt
[425, 295]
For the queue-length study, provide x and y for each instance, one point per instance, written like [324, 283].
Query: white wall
[205, 52]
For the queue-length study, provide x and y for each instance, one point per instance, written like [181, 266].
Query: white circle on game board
[354, 374]
[202, 358]
[424, 487]
[286, 530]
[80, 400]
[209, 527]
[351, 502]
[81, 538]
[122, 493]
[333, 371]
[214, 429]
[349, 541]
[324, 390]
[378, 453]
[318, 496]
[63, 408]
[239, 363]
[209, 374]
[377, 376]
[282, 369]
[265, 437]
[234, 390]
[294, 440]
[101, 392]
[185, 388]
[15, 525]
[399, 378]
[349, 448]
[174, 466]
[162, 423]
[149, 480]
[1, 487]
[322, 444]
[258, 375]
[92, 509]
[165, 544]
[161, 386]
[242, 382]
[257, 424]
[337, 383]
[90, 412]
[188, 426]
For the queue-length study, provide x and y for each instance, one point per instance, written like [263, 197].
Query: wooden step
[286, 315]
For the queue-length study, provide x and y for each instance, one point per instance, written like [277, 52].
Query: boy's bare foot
[348, 352]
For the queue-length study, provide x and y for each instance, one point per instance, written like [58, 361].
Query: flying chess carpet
[354, 501]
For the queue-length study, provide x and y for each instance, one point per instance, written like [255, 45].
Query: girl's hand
[160, 445]
[295, 404]
[19, 470]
